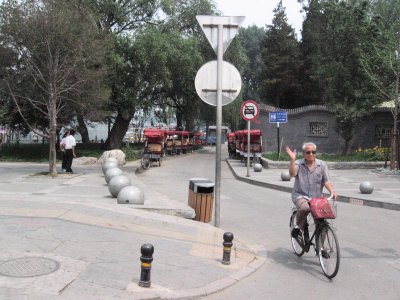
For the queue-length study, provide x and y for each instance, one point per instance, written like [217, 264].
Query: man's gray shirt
[309, 183]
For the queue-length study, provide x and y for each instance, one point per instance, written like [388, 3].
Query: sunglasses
[310, 152]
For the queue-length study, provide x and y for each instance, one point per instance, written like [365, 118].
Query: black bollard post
[147, 251]
[228, 237]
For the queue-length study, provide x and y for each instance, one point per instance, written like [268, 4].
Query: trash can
[201, 198]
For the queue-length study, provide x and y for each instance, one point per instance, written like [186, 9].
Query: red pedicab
[231, 144]
[169, 142]
[153, 147]
[185, 141]
[181, 141]
[238, 140]
[198, 138]
[239, 144]
[190, 142]
[255, 145]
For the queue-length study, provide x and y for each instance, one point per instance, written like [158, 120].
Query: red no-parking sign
[249, 110]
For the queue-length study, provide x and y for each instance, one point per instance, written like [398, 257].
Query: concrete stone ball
[366, 187]
[117, 183]
[130, 195]
[109, 164]
[111, 172]
[285, 176]
[257, 167]
[111, 159]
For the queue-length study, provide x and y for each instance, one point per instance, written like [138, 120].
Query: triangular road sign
[230, 26]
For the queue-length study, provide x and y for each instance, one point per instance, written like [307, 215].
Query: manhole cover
[28, 267]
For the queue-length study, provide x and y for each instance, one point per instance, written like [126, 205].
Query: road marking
[356, 201]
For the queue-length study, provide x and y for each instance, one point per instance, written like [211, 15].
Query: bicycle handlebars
[308, 198]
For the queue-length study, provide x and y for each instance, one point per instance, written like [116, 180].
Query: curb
[344, 199]
[206, 290]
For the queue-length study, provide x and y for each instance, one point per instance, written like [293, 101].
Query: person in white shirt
[62, 148]
[69, 146]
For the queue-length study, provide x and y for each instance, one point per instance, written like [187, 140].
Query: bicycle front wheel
[328, 251]
[297, 248]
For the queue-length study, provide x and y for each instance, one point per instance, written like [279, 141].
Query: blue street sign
[278, 117]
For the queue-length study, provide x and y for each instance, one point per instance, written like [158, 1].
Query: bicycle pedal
[325, 254]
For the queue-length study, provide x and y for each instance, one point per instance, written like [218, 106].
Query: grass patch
[40, 152]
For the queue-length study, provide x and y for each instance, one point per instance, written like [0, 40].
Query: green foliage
[25, 152]
[373, 154]
[40, 152]
[336, 42]
[251, 39]
[281, 63]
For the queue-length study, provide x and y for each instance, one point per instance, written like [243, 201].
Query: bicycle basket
[321, 208]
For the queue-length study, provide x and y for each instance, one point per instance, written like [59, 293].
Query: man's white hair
[308, 143]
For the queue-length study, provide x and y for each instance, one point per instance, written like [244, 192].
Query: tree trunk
[118, 130]
[346, 147]
[179, 120]
[189, 124]
[394, 155]
[82, 129]
[52, 137]
[394, 149]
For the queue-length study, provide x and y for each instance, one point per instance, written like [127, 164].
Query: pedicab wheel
[297, 248]
[145, 161]
[328, 251]
[159, 162]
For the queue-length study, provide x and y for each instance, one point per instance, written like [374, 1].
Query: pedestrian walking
[62, 148]
[69, 145]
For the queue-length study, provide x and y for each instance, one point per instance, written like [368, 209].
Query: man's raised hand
[292, 154]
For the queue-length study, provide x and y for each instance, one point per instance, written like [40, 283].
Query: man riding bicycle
[311, 176]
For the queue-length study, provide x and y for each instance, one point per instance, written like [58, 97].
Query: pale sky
[260, 12]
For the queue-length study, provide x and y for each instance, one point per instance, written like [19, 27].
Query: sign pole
[277, 135]
[248, 148]
[217, 191]
[205, 88]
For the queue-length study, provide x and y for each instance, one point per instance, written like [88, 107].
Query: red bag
[321, 209]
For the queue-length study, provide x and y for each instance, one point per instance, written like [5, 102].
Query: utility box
[201, 198]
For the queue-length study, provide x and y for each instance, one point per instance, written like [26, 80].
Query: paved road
[370, 266]
[67, 238]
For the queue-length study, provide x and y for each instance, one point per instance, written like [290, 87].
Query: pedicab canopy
[169, 133]
[255, 133]
[182, 133]
[154, 134]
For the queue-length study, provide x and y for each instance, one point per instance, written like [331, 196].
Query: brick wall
[318, 124]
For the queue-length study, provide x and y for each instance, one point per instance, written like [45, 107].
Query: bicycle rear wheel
[328, 251]
[297, 248]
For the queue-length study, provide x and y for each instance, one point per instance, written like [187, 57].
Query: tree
[120, 19]
[337, 53]
[251, 39]
[281, 63]
[58, 51]
[384, 70]
[312, 49]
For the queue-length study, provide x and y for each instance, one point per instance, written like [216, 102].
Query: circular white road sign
[206, 83]
[249, 110]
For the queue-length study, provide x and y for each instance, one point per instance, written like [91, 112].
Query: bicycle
[323, 239]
